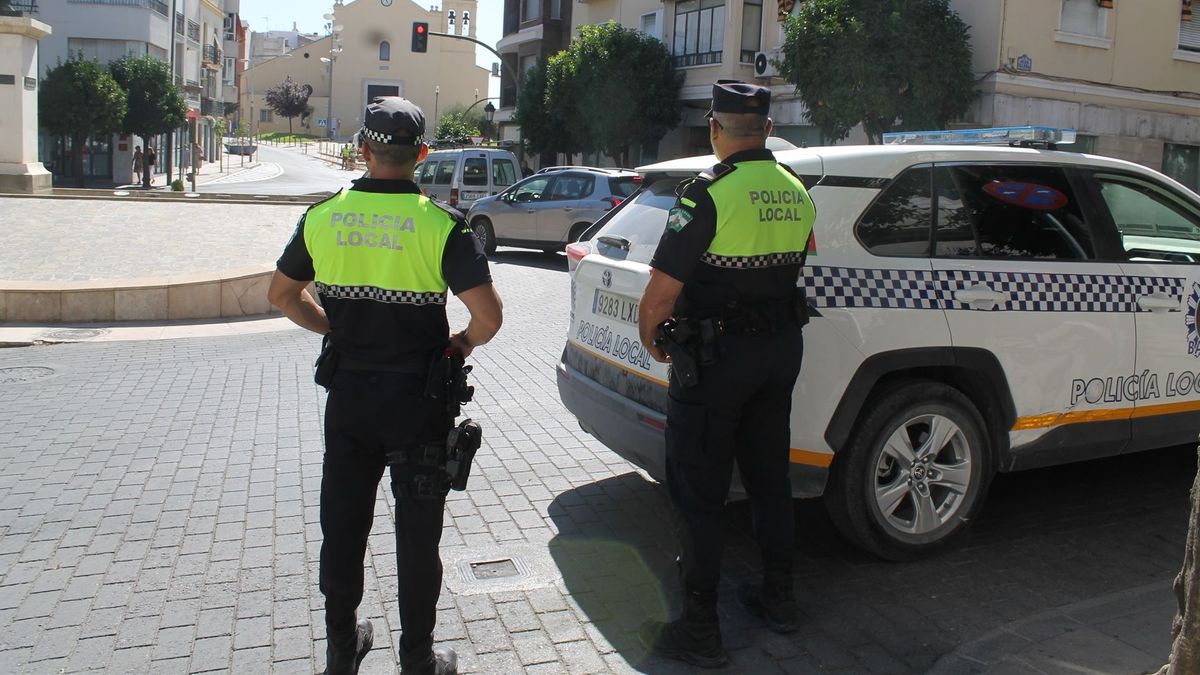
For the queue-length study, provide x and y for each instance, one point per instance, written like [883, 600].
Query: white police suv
[975, 308]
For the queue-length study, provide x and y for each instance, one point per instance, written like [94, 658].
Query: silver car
[550, 209]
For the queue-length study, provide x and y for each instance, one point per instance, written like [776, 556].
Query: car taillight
[613, 201]
[453, 196]
[578, 250]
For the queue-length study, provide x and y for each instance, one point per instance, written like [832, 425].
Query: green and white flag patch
[677, 219]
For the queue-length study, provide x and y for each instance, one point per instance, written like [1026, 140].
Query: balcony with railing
[212, 55]
[18, 8]
[193, 31]
[157, 6]
[209, 106]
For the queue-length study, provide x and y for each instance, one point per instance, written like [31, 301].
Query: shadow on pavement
[529, 258]
[1045, 539]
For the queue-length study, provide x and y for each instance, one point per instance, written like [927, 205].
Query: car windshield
[640, 223]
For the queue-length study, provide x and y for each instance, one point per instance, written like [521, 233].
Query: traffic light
[420, 38]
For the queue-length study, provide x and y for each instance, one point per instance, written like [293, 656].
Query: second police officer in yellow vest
[383, 257]
[725, 276]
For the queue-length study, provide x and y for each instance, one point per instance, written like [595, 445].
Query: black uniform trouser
[739, 411]
[367, 415]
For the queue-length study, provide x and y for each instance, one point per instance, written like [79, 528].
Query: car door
[515, 216]
[559, 209]
[504, 173]
[1160, 234]
[1023, 276]
[474, 180]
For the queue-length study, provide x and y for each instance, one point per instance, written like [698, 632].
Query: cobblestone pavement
[158, 513]
[74, 240]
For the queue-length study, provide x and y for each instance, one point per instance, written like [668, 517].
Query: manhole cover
[74, 333]
[24, 374]
[494, 569]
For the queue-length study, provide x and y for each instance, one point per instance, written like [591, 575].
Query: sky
[308, 16]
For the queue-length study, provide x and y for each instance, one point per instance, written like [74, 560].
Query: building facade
[193, 42]
[370, 55]
[1125, 74]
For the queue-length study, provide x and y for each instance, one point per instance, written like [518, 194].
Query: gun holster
[461, 444]
[684, 342]
[326, 364]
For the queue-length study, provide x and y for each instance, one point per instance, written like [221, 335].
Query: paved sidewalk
[158, 515]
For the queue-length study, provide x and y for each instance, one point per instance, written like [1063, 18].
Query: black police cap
[394, 121]
[732, 96]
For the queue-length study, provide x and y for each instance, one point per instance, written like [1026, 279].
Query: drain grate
[73, 333]
[24, 374]
[494, 569]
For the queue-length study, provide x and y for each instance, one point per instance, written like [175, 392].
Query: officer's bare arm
[293, 299]
[657, 303]
[487, 314]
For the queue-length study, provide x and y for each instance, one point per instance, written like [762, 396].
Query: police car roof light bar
[1031, 135]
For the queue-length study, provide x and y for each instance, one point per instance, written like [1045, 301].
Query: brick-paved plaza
[158, 514]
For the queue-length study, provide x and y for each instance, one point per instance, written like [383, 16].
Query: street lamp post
[335, 48]
[489, 111]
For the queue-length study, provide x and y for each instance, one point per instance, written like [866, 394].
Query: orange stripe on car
[817, 459]
[1109, 415]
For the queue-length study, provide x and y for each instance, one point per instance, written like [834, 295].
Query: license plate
[616, 307]
[473, 195]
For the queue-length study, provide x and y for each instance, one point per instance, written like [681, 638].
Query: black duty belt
[413, 367]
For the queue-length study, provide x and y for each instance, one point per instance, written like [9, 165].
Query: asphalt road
[302, 174]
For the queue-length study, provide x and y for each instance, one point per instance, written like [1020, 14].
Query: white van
[462, 175]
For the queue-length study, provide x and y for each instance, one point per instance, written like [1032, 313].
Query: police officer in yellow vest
[382, 256]
[724, 280]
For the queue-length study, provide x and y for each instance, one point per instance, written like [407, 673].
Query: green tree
[887, 64]
[542, 110]
[78, 100]
[457, 124]
[155, 105]
[288, 99]
[610, 89]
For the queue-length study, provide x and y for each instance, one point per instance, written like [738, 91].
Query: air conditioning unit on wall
[764, 64]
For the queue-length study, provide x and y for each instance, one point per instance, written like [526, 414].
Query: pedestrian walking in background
[137, 163]
[726, 276]
[197, 157]
[150, 158]
[383, 315]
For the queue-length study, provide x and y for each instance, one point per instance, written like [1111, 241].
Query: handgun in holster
[326, 363]
[681, 341]
[448, 383]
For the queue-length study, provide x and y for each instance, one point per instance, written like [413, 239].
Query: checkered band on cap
[753, 261]
[380, 295]
[388, 139]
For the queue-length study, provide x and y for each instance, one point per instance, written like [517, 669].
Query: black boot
[774, 601]
[441, 661]
[694, 638]
[345, 661]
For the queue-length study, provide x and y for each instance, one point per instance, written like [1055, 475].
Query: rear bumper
[623, 425]
[635, 432]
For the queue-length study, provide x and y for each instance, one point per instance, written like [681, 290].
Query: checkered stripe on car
[885, 289]
[380, 295]
[846, 287]
[753, 261]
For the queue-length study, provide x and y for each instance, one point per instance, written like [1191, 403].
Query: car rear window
[640, 222]
[622, 186]
[475, 171]
[504, 172]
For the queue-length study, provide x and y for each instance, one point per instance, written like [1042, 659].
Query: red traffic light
[420, 36]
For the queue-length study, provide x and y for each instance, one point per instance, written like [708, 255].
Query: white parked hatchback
[975, 308]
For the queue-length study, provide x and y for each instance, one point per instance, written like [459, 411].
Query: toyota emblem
[606, 279]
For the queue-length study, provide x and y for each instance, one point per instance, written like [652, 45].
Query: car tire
[577, 231]
[898, 493]
[486, 236]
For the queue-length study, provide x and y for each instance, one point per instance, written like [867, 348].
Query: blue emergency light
[997, 136]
